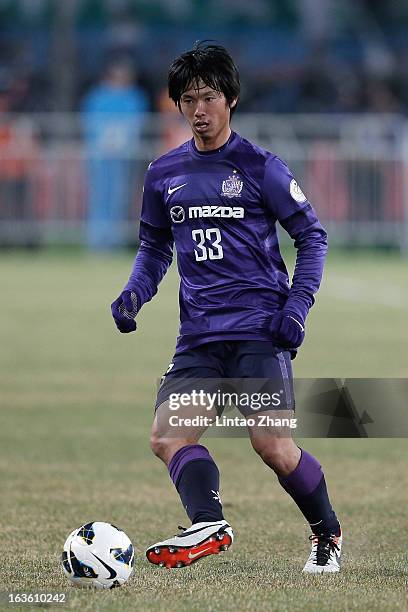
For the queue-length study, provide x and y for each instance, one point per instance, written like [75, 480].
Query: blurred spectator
[112, 119]
[175, 130]
[17, 156]
[318, 91]
[381, 97]
[316, 17]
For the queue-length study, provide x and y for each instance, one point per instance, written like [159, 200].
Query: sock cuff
[305, 478]
[186, 454]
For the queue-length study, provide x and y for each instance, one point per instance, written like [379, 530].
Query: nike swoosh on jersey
[193, 556]
[173, 189]
[111, 571]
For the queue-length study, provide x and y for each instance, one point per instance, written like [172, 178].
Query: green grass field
[76, 406]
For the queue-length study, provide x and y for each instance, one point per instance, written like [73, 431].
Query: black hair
[209, 63]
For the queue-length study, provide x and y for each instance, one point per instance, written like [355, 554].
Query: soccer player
[217, 198]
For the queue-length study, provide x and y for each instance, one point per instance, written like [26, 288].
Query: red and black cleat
[181, 550]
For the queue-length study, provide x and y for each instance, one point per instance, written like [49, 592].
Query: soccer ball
[98, 555]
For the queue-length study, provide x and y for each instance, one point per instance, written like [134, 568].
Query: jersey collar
[215, 154]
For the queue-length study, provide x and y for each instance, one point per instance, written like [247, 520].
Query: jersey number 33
[208, 244]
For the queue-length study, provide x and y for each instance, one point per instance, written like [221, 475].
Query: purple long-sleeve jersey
[220, 209]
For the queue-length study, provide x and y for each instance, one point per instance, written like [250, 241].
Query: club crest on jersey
[232, 187]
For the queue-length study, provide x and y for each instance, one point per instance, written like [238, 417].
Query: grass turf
[76, 406]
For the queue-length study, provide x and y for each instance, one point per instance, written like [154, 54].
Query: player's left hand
[287, 329]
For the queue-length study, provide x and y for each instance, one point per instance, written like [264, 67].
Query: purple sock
[197, 480]
[307, 486]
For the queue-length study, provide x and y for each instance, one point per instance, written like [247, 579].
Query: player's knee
[273, 452]
[159, 445]
[164, 447]
[268, 452]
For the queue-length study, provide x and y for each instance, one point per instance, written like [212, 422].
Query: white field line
[363, 292]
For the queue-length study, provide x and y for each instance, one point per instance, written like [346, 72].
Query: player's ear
[234, 103]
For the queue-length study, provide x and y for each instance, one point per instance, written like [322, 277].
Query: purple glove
[124, 310]
[287, 329]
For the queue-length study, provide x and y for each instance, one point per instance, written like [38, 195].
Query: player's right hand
[124, 309]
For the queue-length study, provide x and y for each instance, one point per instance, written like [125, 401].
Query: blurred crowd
[294, 55]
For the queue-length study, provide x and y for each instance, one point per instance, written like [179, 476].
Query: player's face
[208, 114]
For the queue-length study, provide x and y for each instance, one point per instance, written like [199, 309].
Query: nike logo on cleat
[193, 556]
[338, 558]
[189, 533]
[173, 189]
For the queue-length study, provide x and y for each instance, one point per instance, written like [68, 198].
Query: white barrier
[353, 168]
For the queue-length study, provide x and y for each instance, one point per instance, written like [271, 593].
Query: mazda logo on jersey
[177, 214]
[225, 212]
